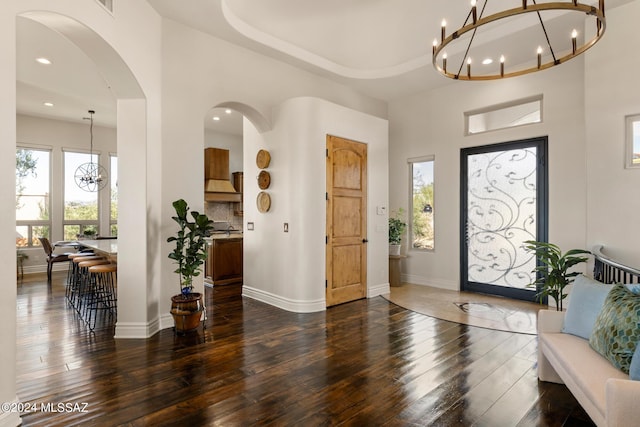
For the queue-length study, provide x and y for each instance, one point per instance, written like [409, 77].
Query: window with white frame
[33, 189]
[113, 207]
[633, 141]
[421, 224]
[80, 207]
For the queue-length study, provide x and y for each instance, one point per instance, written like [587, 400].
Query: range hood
[217, 186]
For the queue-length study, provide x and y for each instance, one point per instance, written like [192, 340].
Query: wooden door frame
[329, 219]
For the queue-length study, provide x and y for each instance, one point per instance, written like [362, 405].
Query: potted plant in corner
[189, 254]
[552, 271]
[397, 227]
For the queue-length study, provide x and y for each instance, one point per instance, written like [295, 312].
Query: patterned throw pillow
[617, 329]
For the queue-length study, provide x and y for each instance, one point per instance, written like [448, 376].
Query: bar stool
[72, 272]
[81, 276]
[104, 295]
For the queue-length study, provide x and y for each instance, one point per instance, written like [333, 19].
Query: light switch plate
[249, 226]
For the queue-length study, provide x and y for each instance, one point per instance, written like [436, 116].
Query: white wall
[612, 91]
[432, 123]
[288, 269]
[130, 61]
[213, 72]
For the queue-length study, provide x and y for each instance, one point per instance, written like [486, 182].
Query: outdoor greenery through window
[80, 207]
[421, 226]
[113, 209]
[33, 187]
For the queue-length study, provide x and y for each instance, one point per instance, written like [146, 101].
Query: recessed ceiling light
[228, 111]
[487, 61]
[48, 104]
[44, 61]
[216, 118]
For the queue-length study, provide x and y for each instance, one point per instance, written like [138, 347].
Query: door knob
[364, 240]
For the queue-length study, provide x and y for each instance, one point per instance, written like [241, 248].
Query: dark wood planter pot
[187, 311]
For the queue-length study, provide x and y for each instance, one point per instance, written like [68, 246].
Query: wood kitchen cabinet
[224, 261]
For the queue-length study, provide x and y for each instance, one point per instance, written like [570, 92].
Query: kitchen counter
[232, 235]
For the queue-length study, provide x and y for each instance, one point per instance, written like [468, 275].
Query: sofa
[605, 392]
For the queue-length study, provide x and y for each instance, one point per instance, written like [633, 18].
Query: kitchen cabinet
[224, 261]
[217, 186]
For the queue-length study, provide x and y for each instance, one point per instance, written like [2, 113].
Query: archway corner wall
[287, 269]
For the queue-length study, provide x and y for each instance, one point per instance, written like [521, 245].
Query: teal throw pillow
[585, 302]
[616, 331]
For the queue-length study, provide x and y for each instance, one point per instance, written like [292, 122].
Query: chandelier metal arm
[546, 35]
[597, 12]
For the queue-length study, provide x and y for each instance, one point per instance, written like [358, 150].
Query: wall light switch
[286, 227]
[249, 226]
[382, 210]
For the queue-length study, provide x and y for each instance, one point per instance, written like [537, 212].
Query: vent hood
[217, 186]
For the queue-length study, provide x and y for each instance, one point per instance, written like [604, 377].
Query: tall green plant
[397, 227]
[190, 250]
[552, 271]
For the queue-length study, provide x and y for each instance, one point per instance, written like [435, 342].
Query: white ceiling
[380, 47]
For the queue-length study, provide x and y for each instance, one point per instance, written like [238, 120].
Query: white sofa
[606, 393]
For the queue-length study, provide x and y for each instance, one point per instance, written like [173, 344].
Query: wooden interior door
[346, 239]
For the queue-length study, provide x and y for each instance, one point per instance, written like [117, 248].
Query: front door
[503, 203]
[346, 239]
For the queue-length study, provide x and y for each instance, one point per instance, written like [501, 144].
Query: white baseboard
[295, 306]
[133, 330]
[436, 283]
[11, 418]
[377, 290]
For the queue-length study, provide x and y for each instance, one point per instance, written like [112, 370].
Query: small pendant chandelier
[91, 176]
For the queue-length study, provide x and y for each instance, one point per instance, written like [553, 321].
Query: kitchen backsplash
[223, 212]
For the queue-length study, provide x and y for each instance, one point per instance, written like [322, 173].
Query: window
[633, 142]
[33, 187]
[113, 208]
[421, 227]
[80, 206]
[502, 116]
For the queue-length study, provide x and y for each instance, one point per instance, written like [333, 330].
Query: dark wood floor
[364, 363]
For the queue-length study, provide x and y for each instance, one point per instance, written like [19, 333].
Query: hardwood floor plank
[368, 362]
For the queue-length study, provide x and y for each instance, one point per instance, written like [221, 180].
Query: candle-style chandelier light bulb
[476, 23]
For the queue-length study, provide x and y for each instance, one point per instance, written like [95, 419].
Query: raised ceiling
[380, 47]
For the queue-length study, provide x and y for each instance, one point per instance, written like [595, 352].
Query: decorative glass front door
[504, 203]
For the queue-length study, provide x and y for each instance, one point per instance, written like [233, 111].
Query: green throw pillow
[617, 329]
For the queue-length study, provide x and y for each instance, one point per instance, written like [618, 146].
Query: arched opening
[224, 146]
[125, 120]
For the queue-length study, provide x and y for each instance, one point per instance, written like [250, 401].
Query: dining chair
[51, 257]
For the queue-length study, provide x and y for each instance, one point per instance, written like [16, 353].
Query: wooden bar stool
[104, 296]
[80, 284]
[71, 274]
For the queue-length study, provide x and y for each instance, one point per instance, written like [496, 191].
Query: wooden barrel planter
[187, 311]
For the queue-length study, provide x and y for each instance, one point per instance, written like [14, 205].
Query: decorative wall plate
[263, 202]
[264, 180]
[263, 159]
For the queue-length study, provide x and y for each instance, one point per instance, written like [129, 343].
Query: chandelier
[556, 43]
[91, 176]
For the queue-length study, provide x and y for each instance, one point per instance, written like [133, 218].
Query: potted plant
[397, 227]
[189, 254]
[552, 271]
